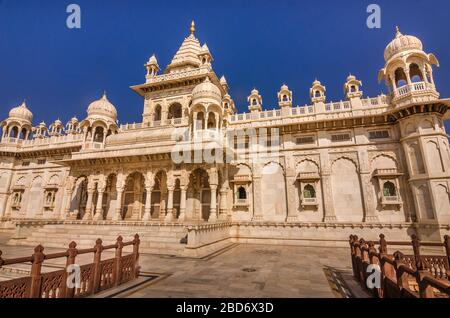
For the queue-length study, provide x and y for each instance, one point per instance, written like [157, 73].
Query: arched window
[23, 134]
[285, 99]
[317, 94]
[242, 194]
[212, 121]
[157, 113]
[400, 77]
[98, 135]
[415, 73]
[389, 189]
[200, 120]
[175, 111]
[309, 192]
[14, 133]
[254, 102]
[352, 88]
[226, 105]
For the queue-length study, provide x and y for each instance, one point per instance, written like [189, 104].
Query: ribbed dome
[21, 112]
[206, 90]
[402, 43]
[102, 107]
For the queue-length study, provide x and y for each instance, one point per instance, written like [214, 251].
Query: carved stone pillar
[329, 214]
[148, 204]
[291, 193]
[223, 205]
[169, 214]
[68, 202]
[369, 205]
[88, 212]
[182, 216]
[99, 208]
[213, 206]
[3, 201]
[257, 215]
[118, 211]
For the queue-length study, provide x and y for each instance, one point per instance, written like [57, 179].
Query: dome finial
[397, 31]
[192, 30]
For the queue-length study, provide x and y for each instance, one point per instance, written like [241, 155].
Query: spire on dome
[192, 30]
[397, 31]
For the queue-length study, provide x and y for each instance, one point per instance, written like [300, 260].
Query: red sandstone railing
[402, 276]
[94, 277]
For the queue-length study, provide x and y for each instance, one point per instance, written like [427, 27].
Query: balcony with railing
[308, 112]
[414, 92]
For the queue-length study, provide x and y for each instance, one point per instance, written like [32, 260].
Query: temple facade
[361, 162]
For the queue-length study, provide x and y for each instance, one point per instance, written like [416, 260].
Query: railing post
[383, 245]
[402, 277]
[136, 243]
[1, 259]
[97, 266]
[416, 248]
[38, 259]
[118, 261]
[447, 251]
[72, 253]
[425, 289]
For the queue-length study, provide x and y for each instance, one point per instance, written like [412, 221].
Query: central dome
[21, 112]
[402, 43]
[206, 92]
[102, 107]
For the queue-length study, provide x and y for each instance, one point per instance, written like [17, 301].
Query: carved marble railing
[178, 75]
[175, 122]
[93, 277]
[413, 87]
[402, 276]
[54, 141]
[310, 110]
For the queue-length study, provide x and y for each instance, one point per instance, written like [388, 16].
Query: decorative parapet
[308, 113]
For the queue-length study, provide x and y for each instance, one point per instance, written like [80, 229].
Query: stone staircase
[155, 238]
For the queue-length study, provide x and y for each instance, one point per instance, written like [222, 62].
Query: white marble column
[99, 208]
[118, 211]
[182, 216]
[148, 204]
[291, 192]
[223, 204]
[88, 212]
[169, 214]
[329, 214]
[68, 203]
[257, 215]
[213, 206]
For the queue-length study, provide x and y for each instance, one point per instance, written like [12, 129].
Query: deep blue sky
[256, 43]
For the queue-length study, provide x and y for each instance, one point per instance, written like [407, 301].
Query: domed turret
[19, 123]
[400, 44]
[152, 67]
[352, 87]
[224, 84]
[284, 96]
[255, 101]
[21, 113]
[317, 92]
[408, 71]
[206, 93]
[102, 108]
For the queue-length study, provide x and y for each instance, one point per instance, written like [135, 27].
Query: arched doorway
[158, 205]
[35, 198]
[134, 197]
[79, 198]
[110, 197]
[273, 190]
[199, 195]
[346, 187]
